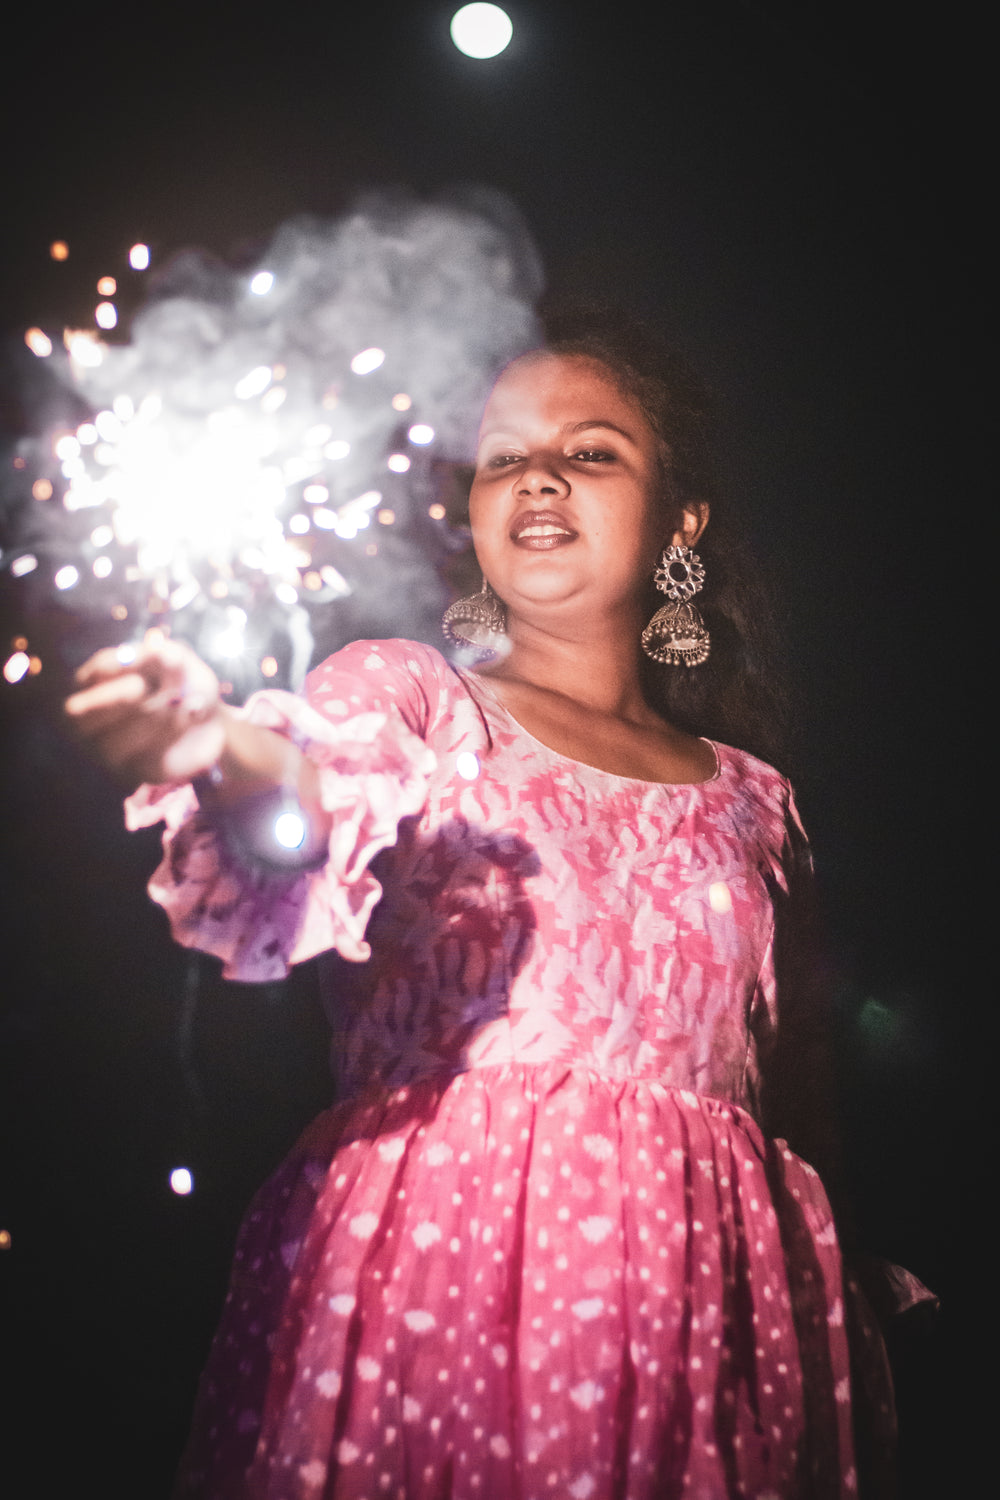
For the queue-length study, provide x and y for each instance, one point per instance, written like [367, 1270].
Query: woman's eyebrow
[601, 422]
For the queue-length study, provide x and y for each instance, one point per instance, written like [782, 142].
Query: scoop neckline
[585, 765]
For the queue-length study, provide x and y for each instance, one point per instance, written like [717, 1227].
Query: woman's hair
[737, 695]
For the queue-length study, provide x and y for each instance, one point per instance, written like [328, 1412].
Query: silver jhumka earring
[676, 635]
[477, 622]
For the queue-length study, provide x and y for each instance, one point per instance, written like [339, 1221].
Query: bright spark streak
[84, 347]
[254, 383]
[38, 342]
[16, 666]
[367, 361]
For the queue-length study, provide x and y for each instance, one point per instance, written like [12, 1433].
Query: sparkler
[262, 443]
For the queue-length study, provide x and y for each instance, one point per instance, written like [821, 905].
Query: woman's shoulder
[755, 783]
[383, 675]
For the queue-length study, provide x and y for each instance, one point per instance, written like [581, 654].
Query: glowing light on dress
[720, 898]
[290, 830]
[481, 30]
[262, 283]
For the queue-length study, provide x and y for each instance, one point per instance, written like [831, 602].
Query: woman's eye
[501, 460]
[594, 455]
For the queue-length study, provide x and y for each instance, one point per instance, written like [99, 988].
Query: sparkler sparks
[229, 461]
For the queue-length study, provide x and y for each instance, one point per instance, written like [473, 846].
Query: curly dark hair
[738, 695]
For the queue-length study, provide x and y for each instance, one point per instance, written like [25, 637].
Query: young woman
[552, 1241]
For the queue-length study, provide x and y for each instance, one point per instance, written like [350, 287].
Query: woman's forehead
[543, 386]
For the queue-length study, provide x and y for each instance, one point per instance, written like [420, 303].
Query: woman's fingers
[150, 712]
[105, 697]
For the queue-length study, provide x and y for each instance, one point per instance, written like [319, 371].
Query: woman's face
[565, 505]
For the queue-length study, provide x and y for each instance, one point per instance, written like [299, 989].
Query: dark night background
[792, 191]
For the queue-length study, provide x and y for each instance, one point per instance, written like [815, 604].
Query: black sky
[795, 193]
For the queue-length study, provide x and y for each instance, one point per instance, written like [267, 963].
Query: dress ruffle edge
[373, 772]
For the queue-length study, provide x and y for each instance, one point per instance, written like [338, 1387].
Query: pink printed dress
[542, 1246]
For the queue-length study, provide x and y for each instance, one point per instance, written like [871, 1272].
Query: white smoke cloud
[242, 464]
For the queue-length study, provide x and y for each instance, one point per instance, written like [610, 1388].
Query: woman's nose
[542, 475]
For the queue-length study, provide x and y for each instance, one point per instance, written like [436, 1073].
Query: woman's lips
[541, 530]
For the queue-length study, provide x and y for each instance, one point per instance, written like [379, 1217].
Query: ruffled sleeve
[360, 725]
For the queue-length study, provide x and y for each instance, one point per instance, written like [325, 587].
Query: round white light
[181, 1181]
[420, 433]
[290, 830]
[467, 765]
[262, 283]
[481, 30]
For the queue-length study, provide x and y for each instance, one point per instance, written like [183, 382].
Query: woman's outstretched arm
[154, 713]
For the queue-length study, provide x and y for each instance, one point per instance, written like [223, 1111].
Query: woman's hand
[151, 712]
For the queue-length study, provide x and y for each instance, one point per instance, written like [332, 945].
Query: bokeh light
[38, 342]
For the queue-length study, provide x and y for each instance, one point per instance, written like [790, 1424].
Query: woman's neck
[601, 674]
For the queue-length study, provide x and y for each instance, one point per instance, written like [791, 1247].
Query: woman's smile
[541, 530]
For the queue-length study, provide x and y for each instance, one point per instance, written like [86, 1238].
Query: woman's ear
[694, 519]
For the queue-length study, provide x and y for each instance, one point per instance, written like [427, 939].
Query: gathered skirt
[532, 1281]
